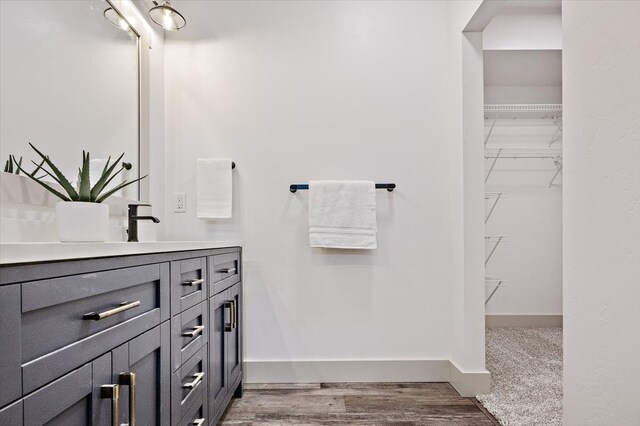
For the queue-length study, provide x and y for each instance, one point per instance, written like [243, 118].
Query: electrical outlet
[180, 203]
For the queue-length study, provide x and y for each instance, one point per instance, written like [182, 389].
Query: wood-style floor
[355, 403]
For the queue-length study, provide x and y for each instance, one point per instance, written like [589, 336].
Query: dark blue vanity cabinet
[148, 339]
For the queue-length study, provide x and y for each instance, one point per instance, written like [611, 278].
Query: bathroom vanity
[147, 333]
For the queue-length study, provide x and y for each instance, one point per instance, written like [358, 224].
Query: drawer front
[68, 321]
[225, 269]
[189, 333]
[188, 283]
[12, 415]
[196, 415]
[188, 385]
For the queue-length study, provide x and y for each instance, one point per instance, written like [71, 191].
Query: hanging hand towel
[96, 166]
[213, 188]
[342, 214]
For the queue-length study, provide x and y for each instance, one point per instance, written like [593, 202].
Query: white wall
[538, 30]
[295, 91]
[601, 92]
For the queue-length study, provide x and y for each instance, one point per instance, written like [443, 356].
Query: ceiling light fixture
[115, 19]
[167, 17]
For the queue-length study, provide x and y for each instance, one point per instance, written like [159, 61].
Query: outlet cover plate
[180, 203]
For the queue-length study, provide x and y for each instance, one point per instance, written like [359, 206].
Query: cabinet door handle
[197, 378]
[124, 306]
[112, 392]
[198, 422]
[193, 282]
[235, 314]
[227, 271]
[129, 379]
[194, 332]
[228, 326]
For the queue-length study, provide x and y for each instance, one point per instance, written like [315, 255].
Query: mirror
[69, 81]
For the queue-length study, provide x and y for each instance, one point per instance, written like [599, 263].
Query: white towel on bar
[342, 214]
[96, 166]
[213, 188]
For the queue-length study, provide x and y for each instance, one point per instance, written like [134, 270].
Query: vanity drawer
[66, 322]
[196, 415]
[188, 385]
[188, 283]
[189, 331]
[12, 414]
[225, 269]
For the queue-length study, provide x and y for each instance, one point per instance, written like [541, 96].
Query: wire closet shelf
[511, 115]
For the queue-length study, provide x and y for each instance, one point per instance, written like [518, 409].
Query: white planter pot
[82, 222]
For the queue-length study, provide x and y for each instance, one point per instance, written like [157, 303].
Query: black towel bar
[388, 186]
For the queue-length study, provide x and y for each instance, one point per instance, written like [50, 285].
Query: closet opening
[522, 144]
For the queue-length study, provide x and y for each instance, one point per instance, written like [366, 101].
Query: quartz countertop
[18, 253]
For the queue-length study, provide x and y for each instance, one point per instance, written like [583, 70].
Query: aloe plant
[8, 166]
[83, 191]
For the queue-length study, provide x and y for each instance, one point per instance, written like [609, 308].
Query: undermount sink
[17, 253]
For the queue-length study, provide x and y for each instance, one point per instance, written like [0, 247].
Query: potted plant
[80, 216]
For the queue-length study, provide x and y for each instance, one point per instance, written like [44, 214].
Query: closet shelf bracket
[496, 240]
[557, 136]
[493, 124]
[500, 282]
[558, 163]
[497, 196]
[495, 160]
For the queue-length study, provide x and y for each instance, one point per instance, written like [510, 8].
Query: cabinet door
[142, 369]
[219, 322]
[234, 336]
[76, 398]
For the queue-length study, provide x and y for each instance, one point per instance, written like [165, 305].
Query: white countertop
[11, 253]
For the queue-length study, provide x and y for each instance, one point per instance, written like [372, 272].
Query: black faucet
[133, 221]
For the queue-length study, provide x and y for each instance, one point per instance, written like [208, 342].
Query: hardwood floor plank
[425, 395]
[277, 386]
[390, 404]
[259, 404]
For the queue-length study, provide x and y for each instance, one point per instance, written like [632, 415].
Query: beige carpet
[526, 376]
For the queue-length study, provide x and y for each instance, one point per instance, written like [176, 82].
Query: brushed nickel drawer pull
[193, 282]
[228, 271]
[129, 379]
[124, 306]
[234, 323]
[112, 392]
[193, 333]
[197, 378]
[198, 422]
[228, 326]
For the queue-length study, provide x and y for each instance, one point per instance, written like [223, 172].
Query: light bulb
[167, 21]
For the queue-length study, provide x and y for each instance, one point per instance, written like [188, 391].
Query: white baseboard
[492, 321]
[437, 370]
[469, 384]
